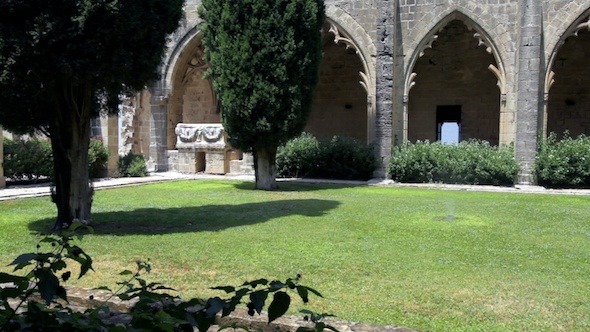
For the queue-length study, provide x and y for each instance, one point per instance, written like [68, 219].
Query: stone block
[215, 162]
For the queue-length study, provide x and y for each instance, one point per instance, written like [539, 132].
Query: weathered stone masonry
[506, 71]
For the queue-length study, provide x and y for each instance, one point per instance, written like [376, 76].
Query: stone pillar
[400, 100]
[2, 180]
[112, 143]
[158, 158]
[384, 96]
[529, 88]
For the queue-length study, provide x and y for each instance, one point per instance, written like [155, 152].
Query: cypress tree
[264, 57]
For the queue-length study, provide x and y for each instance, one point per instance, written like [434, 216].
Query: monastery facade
[505, 71]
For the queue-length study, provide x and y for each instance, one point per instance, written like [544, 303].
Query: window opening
[448, 124]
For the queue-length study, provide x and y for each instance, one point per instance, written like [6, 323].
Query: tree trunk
[265, 169]
[70, 138]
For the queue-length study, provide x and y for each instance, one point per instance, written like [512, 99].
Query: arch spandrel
[418, 38]
[581, 22]
[484, 41]
[563, 24]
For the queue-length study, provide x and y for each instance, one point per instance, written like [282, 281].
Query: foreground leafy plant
[38, 301]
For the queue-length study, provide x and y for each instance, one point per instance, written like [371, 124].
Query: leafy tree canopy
[47, 46]
[61, 60]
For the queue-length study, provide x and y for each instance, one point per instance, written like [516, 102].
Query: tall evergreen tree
[264, 57]
[62, 61]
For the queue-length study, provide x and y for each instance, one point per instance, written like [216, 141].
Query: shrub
[299, 157]
[98, 156]
[29, 159]
[469, 162]
[32, 159]
[563, 163]
[132, 165]
[347, 158]
[341, 158]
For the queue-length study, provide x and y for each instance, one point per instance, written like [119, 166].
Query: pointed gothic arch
[352, 49]
[566, 92]
[487, 51]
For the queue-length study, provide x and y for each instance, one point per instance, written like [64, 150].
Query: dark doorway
[448, 123]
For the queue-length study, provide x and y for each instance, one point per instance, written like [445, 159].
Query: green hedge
[26, 160]
[98, 156]
[469, 162]
[132, 165]
[32, 159]
[341, 158]
[563, 163]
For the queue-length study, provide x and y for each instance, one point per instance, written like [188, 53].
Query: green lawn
[425, 259]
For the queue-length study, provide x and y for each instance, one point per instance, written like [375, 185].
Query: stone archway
[191, 98]
[456, 78]
[567, 85]
[340, 102]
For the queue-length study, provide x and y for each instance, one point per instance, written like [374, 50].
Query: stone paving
[14, 192]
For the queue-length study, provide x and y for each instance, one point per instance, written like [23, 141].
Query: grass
[429, 260]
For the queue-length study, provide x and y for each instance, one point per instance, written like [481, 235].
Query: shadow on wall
[207, 218]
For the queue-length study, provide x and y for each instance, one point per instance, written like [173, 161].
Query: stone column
[112, 143]
[2, 180]
[158, 158]
[400, 100]
[529, 88]
[384, 96]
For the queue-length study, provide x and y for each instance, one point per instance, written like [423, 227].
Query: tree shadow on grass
[206, 218]
[300, 185]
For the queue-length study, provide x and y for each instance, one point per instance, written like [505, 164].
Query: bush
[563, 163]
[26, 160]
[299, 157]
[347, 158]
[341, 158]
[32, 159]
[98, 156]
[132, 165]
[469, 162]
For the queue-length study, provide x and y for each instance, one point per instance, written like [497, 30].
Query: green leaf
[227, 289]
[58, 265]
[331, 328]
[48, 285]
[231, 306]
[279, 305]
[256, 283]
[303, 293]
[23, 259]
[258, 298]
[213, 306]
[275, 285]
[125, 273]
[314, 291]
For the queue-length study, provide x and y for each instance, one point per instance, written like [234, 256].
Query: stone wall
[391, 45]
